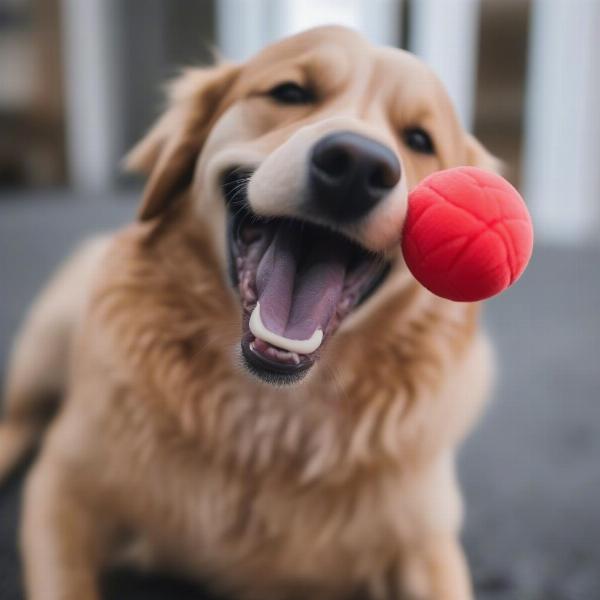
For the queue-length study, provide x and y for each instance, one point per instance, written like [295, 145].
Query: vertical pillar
[444, 33]
[89, 57]
[562, 124]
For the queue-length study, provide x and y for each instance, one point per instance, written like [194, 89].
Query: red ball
[467, 234]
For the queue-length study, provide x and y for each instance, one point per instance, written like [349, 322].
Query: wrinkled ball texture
[467, 234]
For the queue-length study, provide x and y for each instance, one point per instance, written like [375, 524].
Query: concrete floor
[531, 471]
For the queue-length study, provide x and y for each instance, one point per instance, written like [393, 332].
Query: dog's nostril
[383, 177]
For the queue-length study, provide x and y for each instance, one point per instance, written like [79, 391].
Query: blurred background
[81, 80]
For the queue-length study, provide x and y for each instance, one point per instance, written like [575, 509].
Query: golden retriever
[256, 391]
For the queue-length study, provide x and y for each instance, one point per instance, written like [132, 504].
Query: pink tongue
[298, 291]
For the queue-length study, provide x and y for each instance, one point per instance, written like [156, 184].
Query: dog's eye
[291, 93]
[419, 140]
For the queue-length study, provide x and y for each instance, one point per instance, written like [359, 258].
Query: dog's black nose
[349, 174]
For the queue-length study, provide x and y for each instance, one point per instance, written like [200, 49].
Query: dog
[256, 391]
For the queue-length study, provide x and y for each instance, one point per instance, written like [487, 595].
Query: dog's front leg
[437, 570]
[63, 543]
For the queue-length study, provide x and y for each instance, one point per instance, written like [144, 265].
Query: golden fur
[167, 453]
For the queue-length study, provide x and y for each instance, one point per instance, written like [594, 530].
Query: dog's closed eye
[290, 92]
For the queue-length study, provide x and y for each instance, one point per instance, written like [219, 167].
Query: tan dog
[267, 253]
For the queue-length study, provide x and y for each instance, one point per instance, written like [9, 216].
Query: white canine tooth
[299, 346]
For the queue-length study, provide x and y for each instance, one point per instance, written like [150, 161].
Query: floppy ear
[168, 153]
[478, 156]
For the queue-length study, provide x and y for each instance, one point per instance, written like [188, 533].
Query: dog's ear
[478, 156]
[168, 153]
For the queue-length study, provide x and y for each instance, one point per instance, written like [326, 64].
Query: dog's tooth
[298, 346]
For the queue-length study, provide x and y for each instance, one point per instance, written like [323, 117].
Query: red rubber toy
[467, 235]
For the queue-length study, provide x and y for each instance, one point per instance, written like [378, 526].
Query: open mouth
[297, 283]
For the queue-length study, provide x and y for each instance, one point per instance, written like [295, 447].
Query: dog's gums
[297, 282]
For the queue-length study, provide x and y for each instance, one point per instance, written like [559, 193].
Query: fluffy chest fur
[224, 475]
